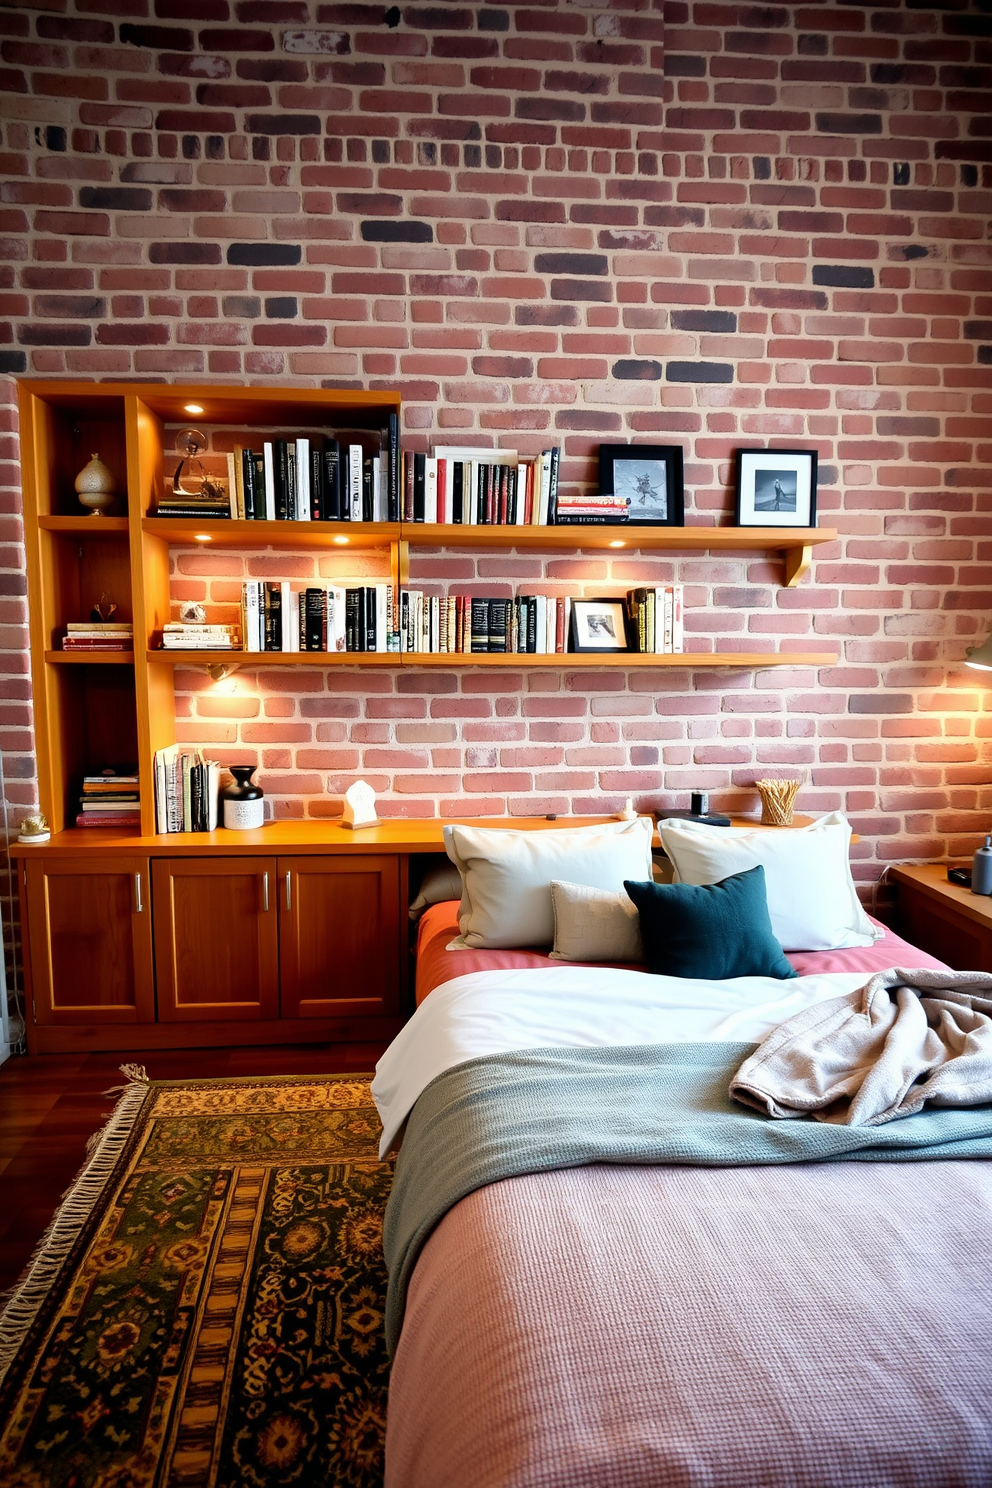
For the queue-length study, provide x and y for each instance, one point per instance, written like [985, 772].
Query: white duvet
[495, 1012]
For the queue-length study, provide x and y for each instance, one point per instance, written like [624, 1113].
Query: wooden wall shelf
[563, 660]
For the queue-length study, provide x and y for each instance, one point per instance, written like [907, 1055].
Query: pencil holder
[777, 801]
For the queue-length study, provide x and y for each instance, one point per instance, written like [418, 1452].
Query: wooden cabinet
[339, 936]
[277, 938]
[89, 934]
[216, 939]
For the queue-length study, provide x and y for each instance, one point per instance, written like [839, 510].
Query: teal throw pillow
[709, 930]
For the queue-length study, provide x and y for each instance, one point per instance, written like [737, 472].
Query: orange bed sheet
[439, 925]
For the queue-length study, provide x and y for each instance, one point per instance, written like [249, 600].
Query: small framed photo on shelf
[646, 480]
[776, 488]
[598, 625]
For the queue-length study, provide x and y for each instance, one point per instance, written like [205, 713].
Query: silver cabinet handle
[265, 891]
[289, 889]
[138, 906]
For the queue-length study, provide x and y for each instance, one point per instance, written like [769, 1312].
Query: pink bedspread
[439, 926]
[815, 1326]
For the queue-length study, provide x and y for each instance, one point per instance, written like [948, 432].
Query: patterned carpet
[208, 1307]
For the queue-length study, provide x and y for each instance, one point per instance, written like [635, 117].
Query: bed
[610, 1309]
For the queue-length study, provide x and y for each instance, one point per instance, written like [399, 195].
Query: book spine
[269, 481]
[457, 491]
[315, 619]
[393, 468]
[497, 625]
[302, 480]
[281, 478]
[430, 489]
[368, 507]
[292, 492]
[248, 483]
[273, 617]
[251, 634]
[419, 487]
[316, 483]
[678, 621]
[480, 624]
[332, 481]
[355, 459]
[289, 611]
[351, 619]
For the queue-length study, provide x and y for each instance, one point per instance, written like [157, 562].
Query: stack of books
[656, 622]
[317, 479]
[182, 505]
[458, 485]
[186, 790]
[110, 798]
[576, 511]
[104, 635]
[177, 635]
[328, 617]
[528, 624]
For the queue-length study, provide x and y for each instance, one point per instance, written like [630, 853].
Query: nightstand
[950, 922]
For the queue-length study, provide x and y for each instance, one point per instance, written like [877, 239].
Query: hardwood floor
[50, 1106]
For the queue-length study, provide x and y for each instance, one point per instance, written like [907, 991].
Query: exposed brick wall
[556, 221]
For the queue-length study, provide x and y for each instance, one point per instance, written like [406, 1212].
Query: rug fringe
[53, 1248]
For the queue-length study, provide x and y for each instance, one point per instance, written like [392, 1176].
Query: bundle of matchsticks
[778, 798]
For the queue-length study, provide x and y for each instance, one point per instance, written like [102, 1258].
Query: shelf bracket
[797, 561]
[219, 670]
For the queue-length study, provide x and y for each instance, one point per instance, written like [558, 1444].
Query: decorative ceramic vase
[244, 803]
[96, 487]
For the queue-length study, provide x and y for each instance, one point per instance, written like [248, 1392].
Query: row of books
[461, 486]
[187, 787]
[330, 617]
[465, 623]
[655, 619]
[305, 479]
[90, 635]
[110, 798]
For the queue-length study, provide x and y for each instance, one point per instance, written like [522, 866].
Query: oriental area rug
[207, 1306]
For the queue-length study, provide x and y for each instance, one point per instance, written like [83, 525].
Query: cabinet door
[90, 941]
[339, 935]
[216, 938]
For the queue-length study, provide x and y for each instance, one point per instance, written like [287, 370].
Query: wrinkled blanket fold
[503, 1115]
[904, 1040]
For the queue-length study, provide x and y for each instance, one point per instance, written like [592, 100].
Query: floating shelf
[565, 660]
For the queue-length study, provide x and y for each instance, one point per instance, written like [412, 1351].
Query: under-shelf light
[341, 541]
[617, 542]
[192, 408]
[203, 537]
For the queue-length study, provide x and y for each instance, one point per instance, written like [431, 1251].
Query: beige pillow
[595, 924]
[506, 875]
[440, 884]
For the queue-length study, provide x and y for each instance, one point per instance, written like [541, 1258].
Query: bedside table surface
[930, 879]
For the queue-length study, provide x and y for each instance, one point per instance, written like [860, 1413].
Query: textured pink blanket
[820, 1326]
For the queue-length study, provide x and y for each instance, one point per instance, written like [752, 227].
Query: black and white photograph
[776, 488]
[598, 625]
[645, 480]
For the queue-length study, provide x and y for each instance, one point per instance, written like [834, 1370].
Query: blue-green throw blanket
[503, 1115]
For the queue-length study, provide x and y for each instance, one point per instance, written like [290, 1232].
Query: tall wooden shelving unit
[90, 708]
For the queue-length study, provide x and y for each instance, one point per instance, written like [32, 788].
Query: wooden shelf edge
[90, 658]
[82, 526]
[755, 660]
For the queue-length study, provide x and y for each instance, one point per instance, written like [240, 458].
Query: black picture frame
[776, 488]
[599, 625]
[650, 476]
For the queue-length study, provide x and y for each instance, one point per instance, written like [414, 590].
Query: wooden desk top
[930, 879]
[395, 835]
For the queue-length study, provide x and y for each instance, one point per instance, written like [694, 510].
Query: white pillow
[595, 924]
[506, 875]
[811, 896]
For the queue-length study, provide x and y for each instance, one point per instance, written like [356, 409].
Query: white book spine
[303, 480]
[336, 622]
[378, 491]
[678, 620]
[381, 617]
[253, 627]
[268, 469]
[471, 496]
[447, 512]
[545, 487]
[430, 490]
[355, 482]
[287, 615]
